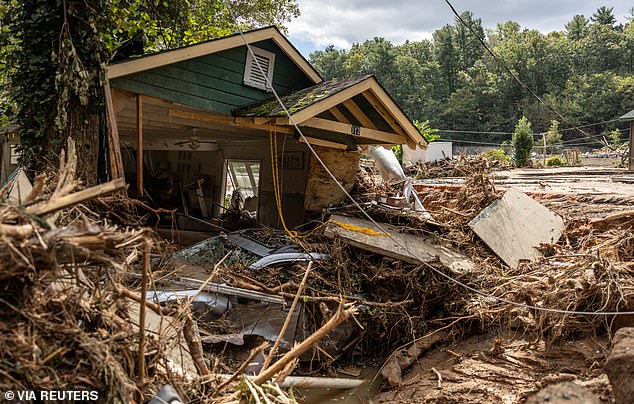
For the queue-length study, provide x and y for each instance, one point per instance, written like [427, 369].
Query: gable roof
[628, 116]
[159, 59]
[298, 100]
[306, 104]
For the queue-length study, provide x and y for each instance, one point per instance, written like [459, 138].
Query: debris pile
[90, 306]
[459, 166]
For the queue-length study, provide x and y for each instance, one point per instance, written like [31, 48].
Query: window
[252, 74]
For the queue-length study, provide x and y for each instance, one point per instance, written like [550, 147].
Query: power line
[475, 132]
[501, 63]
[397, 242]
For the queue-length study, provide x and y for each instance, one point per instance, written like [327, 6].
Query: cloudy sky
[344, 22]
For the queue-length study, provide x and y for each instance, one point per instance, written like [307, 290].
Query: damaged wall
[187, 165]
[321, 190]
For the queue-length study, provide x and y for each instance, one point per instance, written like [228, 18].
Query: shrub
[522, 142]
[554, 161]
[497, 155]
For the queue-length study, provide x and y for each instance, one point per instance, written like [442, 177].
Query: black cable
[501, 63]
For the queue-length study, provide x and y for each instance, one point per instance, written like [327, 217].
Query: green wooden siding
[214, 82]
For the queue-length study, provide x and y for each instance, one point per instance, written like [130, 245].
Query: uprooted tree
[53, 58]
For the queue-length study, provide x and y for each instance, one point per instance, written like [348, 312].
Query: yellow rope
[359, 229]
[277, 191]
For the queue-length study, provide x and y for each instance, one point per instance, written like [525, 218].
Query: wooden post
[114, 147]
[544, 151]
[139, 143]
[631, 159]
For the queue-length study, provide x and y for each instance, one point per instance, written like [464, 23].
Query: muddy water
[361, 394]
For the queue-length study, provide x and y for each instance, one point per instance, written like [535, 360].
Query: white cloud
[342, 23]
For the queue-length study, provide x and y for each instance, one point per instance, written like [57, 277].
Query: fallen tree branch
[66, 201]
[340, 316]
[268, 359]
[195, 346]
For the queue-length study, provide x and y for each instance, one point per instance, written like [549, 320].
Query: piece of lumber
[67, 201]
[139, 144]
[323, 143]
[513, 227]
[361, 233]
[613, 220]
[230, 290]
[114, 145]
[358, 113]
[348, 129]
[339, 115]
[228, 120]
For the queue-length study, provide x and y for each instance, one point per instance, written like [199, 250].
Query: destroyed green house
[196, 123]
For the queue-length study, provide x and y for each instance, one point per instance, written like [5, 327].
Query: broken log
[190, 333]
[307, 382]
[67, 201]
[403, 359]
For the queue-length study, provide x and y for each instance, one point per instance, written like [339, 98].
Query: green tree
[553, 137]
[468, 46]
[615, 138]
[604, 16]
[427, 131]
[577, 27]
[54, 55]
[522, 142]
[446, 55]
[330, 62]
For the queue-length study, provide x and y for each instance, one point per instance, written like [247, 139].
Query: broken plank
[514, 227]
[366, 235]
[230, 290]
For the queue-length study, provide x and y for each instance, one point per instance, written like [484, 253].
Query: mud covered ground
[500, 367]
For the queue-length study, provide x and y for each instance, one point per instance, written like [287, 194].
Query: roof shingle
[298, 100]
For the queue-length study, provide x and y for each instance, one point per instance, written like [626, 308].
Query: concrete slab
[514, 226]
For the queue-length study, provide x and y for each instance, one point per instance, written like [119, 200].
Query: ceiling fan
[194, 141]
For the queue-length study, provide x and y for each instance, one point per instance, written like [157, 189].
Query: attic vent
[253, 75]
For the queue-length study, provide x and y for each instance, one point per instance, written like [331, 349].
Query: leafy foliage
[53, 56]
[522, 142]
[586, 71]
[553, 137]
[554, 161]
[427, 131]
[498, 155]
[48, 75]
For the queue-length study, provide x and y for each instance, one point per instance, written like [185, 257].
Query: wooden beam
[139, 144]
[376, 104]
[359, 114]
[331, 101]
[206, 48]
[324, 143]
[114, 146]
[356, 131]
[232, 121]
[339, 115]
[400, 117]
[631, 162]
